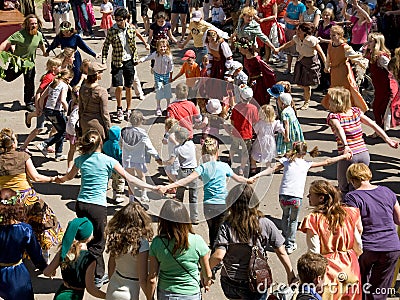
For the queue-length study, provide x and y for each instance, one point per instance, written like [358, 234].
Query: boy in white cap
[237, 77]
[244, 116]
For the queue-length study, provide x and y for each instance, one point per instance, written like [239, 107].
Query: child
[112, 148]
[279, 88]
[16, 237]
[218, 16]
[213, 174]
[70, 131]
[238, 77]
[53, 67]
[61, 10]
[163, 67]
[129, 233]
[244, 115]
[311, 268]
[192, 71]
[185, 153]
[136, 145]
[293, 131]
[54, 108]
[264, 147]
[295, 169]
[171, 125]
[76, 262]
[106, 10]
[212, 120]
[96, 169]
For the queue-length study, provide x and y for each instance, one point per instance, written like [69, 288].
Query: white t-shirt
[106, 7]
[294, 177]
[53, 100]
[186, 155]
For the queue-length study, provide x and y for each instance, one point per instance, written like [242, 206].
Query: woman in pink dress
[333, 230]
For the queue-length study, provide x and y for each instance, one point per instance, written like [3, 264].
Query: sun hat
[286, 98]
[189, 54]
[214, 106]
[95, 67]
[276, 90]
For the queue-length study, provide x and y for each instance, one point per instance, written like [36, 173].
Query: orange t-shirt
[191, 71]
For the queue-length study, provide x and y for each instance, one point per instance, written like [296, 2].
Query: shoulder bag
[259, 272]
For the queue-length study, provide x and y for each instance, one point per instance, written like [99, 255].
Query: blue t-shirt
[213, 174]
[96, 169]
[293, 12]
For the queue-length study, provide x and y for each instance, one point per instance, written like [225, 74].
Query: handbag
[259, 272]
[46, 9]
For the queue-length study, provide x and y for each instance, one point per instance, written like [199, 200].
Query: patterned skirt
[42, 219]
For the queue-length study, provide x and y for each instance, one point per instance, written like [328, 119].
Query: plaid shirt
[117, 48]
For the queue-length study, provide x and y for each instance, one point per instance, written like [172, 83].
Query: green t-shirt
[172, 276]
[26, 44]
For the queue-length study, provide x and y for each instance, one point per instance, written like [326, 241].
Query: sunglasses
[119, 20]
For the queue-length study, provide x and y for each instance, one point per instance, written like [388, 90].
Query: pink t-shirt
[244, 115]
[359, 32]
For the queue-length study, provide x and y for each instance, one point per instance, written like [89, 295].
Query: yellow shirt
[197, 30]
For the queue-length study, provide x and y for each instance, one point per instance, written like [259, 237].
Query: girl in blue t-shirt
[96, 169]
[213, 173]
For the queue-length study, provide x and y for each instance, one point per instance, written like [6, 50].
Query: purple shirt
[376, 210]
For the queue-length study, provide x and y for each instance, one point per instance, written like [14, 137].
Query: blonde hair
[286, 86]
[181, 91]
[358, 172]
[338, 30]
[170, 123]
[248, 11]
[210, 147]
[160, 43]
[267, 112]
[330, 12]
[300, 149]
[339, 99]
[366, 8]
[136, 117]
[73, 252]
[379, 46]
[53, 62]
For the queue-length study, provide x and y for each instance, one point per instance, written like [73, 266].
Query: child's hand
[161, 189]
[251, 180]
[286, 139]
[348, 155]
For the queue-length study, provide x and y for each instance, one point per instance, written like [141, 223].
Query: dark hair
[247, 44]
[14, 211]
[174, 224]
[161, 14]
[66, 24]
[91, 78]
[307, 27]
[243, 212]
[310, 266]
[122, 12]
[89, 142]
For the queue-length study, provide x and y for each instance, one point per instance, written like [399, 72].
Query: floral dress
[295, 131]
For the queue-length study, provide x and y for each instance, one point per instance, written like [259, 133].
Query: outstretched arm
[367, 121]
[268, 171]
[132, 179]
[330, 161]
[181, 182]
[285, 261]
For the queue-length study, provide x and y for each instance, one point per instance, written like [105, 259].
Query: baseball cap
[276, 90]
[196, 16]
[95, 67]
[189, 54]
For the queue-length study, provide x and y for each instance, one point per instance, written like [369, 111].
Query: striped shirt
[352, 128]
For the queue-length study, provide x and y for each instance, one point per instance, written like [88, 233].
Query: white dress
[264, 147]
[124, 283]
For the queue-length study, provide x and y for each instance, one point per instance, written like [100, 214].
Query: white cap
[196, 16]
[234, 66]
[286, 98]
[246, 93]
[214, 107]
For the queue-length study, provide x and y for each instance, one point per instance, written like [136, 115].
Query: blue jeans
[239, 290]
[78, 25]
[57, 118]
[200, 52]
[167, 295]
[290, 213]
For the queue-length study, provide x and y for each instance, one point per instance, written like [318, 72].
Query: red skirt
[106, 21]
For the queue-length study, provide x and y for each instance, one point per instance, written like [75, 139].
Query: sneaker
[60, 157]
[158, 112]
[119, 198]
[120, 115]
[128, 114]
[42, 147]
[291, 248]
[99, 282]
[144, 198]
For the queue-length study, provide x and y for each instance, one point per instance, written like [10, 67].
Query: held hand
[251, 180]
[347, 150]
[392, 143]
[161, 189]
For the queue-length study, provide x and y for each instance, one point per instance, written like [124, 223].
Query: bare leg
[307, 96]
[118, 95]
[267, 53]
[183, 21]
[70, 158]
[31, 137]
[146, 24]
[289, 62]
[128, 96]
[174, 22]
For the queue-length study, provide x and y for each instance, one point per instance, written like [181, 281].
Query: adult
[345, 122]
[261, 76]
[380, 213]
[17, 171]
[68, 38]
[243, 227]
[183, 110]
[93, 102]
[249, 28]
[80, 5]
[385, 85]
[197, 29]
[334, 231]
[26, 41]
[233, 8]
[180, 8]
[121, 36]
[16, 238]
[96, 169]
[338, 65]
[175, 254]
[361, 22]
[307, 68]
[312, 13]
[293, 17]
[268, 12]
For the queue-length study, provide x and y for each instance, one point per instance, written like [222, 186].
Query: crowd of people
[231, 75]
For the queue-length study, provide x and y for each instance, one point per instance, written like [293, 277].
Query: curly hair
[12, 211]
[7, 140]
[126, 228]
[331, 207]
[89, 142]
[243, 213]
